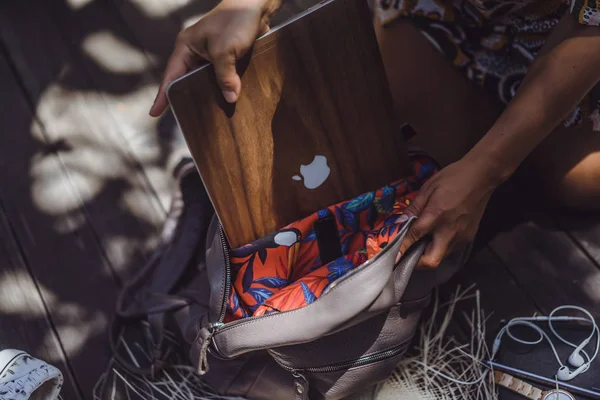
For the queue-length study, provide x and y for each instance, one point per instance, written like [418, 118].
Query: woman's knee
[580, 187]
[568, 165]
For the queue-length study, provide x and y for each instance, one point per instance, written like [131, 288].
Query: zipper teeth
[353, 363]
[232, 324]
[227, 273]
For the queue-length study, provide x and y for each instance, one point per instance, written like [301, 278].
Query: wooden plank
[507, 299]
[584, 228]
[24, 323]
[65, 258]
[186, 12]
[108, 178]
[73, 111]
[156, 23]
[125, 78]
[17, 120]
[51, 224]
[549, 264]
[501, 296]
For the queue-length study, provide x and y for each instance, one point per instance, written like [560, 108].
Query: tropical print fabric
[494, 42]
[283, 271]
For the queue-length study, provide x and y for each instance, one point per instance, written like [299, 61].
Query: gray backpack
[348, 339]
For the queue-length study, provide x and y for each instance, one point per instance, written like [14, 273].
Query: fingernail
[398, 256]
[153, 105]
[230, 96]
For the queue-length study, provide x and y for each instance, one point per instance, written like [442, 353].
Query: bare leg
[450, 114]
[568, 166]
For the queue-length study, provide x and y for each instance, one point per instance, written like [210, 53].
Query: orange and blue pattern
[283, 271]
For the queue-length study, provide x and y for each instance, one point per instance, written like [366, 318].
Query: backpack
[318, 310]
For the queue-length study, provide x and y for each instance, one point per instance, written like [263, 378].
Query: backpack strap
[146, 298]
[183, 232]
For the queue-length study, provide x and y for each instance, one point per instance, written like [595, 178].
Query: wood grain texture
[549, 264]
[24, 322]
[80, 207]
[61, 250]
[75, 105]
[314, 87]
[584, 228]
[501, 297]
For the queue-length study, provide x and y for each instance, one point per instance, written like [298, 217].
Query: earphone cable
[590, 319]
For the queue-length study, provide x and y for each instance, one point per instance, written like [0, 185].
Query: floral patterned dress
[493, 42]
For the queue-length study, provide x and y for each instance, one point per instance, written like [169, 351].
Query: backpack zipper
[213, 328]
[228, 279]
[301, 383]
[359, 362]
[206, 333]
[225, 249]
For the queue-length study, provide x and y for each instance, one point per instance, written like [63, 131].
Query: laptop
[312, 126]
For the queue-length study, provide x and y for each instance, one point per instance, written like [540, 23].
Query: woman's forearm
[563, 73]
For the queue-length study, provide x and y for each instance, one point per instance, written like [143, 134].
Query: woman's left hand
[449, 208]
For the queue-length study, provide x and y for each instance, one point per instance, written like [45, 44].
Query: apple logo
[315, 173]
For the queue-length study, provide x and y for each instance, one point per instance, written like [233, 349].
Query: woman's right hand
[222, 36]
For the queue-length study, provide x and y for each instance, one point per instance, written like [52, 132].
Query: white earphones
[578, 359]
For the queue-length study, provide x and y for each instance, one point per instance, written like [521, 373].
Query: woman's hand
[222, 36]
[449, 208]
[451, 203]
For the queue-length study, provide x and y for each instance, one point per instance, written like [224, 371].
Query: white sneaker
[23, 377]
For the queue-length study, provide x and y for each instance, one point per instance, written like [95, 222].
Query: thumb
[227, 77]
[264, 29]
[419, 227]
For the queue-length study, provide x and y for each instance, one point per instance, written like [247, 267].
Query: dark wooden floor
[85, 180]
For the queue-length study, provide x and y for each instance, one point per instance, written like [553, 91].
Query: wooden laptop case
[315, 86]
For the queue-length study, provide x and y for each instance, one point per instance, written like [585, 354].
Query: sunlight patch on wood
[67, 112]
[57, 108]
[147, 148]
[93, 160]
[131, 109]
[121, 250]
[114, 54]
[70, 222]
[591, 287]
[78, 4]
[159, 8]
[162, 182]
[131, 202]
[19, 295]
[50, 191]
[75, 326]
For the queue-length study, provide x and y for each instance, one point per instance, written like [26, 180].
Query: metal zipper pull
[205, 337]
[301, 386]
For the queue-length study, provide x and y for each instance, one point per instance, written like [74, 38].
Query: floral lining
[283, 271]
